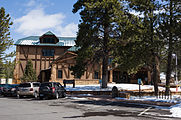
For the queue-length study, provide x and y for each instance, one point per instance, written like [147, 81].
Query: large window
[60, 75]
[48, 52]
[48, 40]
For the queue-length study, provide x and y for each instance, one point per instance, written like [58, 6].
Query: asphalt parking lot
[75, 108]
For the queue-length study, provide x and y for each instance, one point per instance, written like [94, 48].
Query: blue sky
[35, 17]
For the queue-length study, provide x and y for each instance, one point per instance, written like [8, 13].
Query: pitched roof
[73, 48]
[48, 33]
[34, 40]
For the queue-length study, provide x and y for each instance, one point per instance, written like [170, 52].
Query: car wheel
[19, 96]
[36, 95]
[56, 95]
[63, 94]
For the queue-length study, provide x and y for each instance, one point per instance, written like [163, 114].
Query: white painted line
[144, 111]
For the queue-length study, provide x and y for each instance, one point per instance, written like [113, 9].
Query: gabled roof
[34, 40]
[63, 57]
[48, 33]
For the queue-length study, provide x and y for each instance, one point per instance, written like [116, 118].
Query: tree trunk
[156, 73]
[168, 73]
[155, 59]
[104, 72]
[170, 50]
[105, 52]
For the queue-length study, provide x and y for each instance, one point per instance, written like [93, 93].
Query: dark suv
[51, 90]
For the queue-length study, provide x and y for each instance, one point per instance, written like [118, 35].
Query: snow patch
[176, 110]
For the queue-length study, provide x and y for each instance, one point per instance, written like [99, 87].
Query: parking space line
[144, 111]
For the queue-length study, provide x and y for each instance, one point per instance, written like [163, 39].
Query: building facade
[53, 56]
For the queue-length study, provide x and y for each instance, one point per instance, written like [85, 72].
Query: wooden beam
[68, 71]
[36, 60]
[45, 63]
[59, 61]
[49, 61]
[22, 68]
[40, 62]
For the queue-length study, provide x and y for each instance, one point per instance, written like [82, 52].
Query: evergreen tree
[170, 32]
[5, 41]
[8, 69]
[102, 22]
[29, 73]
[146, 49]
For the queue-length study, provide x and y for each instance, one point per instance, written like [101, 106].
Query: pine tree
[102, 22]
[170, 31]
[147, 47]
[5, 41]
[8, 69]
[29, 73]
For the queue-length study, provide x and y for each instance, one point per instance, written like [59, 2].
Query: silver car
[28, 89]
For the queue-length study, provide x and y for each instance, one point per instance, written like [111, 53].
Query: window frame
[49, 40]
[48, 52]
[61, 74]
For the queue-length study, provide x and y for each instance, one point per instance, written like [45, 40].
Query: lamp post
[176, 63]
[176, 77]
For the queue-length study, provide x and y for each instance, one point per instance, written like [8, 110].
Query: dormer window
[49, 38]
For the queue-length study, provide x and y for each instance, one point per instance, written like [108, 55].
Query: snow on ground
[175, 99]
[176, 110]
[110, 86]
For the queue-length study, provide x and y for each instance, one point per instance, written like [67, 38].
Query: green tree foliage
[1, 68]
[29, 73]
[5, 41]
[170, 32]
[8, 69]
[102, 22]
[146, 47]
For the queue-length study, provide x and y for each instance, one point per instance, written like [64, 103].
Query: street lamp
[176, 77]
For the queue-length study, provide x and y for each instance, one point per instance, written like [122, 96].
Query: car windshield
[25, 85]
[36, 84]
[46, 84]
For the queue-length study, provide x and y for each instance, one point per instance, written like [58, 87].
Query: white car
[28, 89]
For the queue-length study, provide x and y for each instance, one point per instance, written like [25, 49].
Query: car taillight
[53, 89]
[13, 89]
[31, 89]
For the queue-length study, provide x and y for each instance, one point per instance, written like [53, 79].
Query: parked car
[1, 88]
[51, 90]
[28, 89]
[4, 88]
[10, 90]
